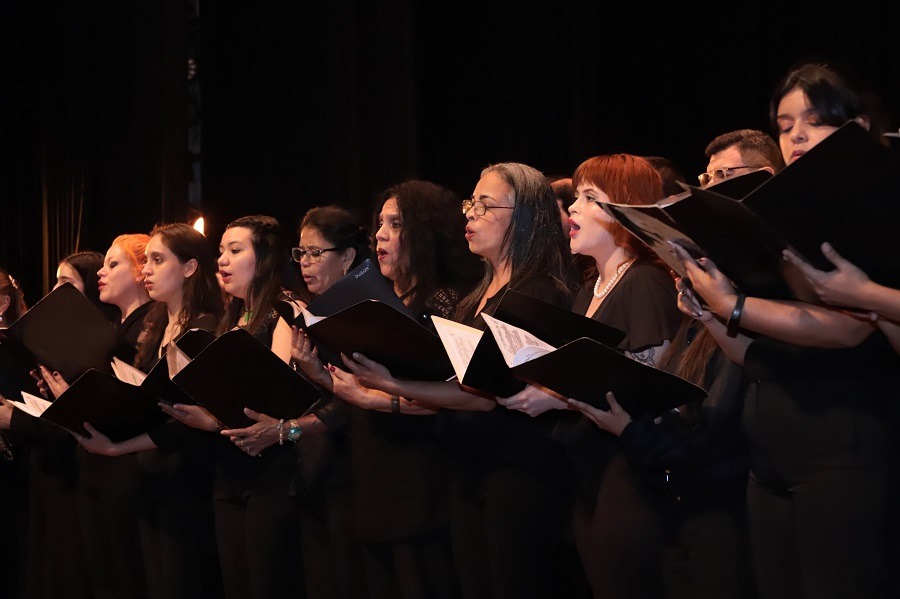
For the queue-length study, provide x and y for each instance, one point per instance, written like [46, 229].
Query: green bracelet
[294, 433]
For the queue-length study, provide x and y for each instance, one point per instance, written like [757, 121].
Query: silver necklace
[601, 293]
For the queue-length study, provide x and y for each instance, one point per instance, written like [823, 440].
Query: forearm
[884, 301]
[733, 347]
[441, 394]
[797, 323]
[142, 442]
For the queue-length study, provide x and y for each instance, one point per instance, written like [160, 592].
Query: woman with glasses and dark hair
[400, 476]
[510, 493]
[821, 406]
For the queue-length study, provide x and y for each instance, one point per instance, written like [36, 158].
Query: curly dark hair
[432, 239]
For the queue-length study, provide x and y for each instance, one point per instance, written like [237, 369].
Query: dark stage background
[300, 104]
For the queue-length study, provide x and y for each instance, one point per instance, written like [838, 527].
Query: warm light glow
[199, 225]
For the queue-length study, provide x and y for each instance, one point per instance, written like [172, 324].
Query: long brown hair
[272, 275]
[200, 292]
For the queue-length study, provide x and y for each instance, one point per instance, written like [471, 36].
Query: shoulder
[207, 322]
[545, 288]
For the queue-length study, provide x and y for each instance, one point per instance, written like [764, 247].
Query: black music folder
[384, 334]
[585, 370]
[845, 191]
[237, 371]
[65, 332]
[157, 381]
[486, 369]
[117, 409]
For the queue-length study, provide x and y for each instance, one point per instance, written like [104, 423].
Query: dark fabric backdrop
[330, 103]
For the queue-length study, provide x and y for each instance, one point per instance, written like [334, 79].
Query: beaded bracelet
[281, 432]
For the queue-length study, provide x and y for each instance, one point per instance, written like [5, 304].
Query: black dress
[257, 518]
[821, 423]
[698, 467]
[333, 559]
[511, 488]
[108, 502]
[401, 486]
[176, 517]
[616, 523]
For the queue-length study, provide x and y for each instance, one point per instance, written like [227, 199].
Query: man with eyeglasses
[739, 152]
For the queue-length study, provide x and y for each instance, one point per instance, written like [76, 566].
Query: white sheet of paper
[517, 345]
[310, 319]
[176, 359]
[127, 373]
[32, 404]
[459, 340]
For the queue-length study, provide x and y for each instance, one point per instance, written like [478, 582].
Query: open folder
[237, 371]
[120, 405]
[117, 409]
[478, 359]
[384, 334]
[844, 191]
[583, 369]
[65, 332]
[362, 313]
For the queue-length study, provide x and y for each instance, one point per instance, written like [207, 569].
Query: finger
[806, 269]
[87, 426]
[358, 357]
[234, 433]
[829, 252]
[613, 403]
[251, 414]
[707, 265]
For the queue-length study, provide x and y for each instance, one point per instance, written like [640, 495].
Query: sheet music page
[32, 405]
[459, 340]
[517, 345]
[309, 318]
[127, 373]
[176, 359]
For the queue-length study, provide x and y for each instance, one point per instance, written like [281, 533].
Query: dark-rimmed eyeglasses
[298, 254]
[480, 207]
[722, 173]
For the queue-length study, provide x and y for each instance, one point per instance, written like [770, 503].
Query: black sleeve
[25, 428]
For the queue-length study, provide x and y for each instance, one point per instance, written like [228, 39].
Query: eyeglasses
[312, 255]
[480, 207]
[722, 173]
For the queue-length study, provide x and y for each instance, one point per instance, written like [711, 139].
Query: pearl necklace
[601, 293]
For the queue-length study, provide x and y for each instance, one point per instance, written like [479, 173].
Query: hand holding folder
[583, 369]
[237, 371]
[118, 409]
[65, 332]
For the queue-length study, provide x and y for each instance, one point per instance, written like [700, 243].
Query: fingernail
[331, 368]
[356, 355]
